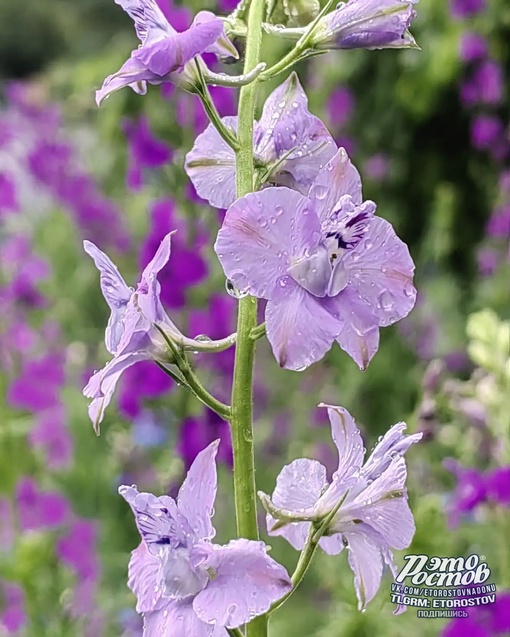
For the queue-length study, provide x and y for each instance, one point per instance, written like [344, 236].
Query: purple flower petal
[365, 561]
[247, 582]
[150, 23]
[115, 291]
[178, 619]
[132, 73]
[262, 223]
[198, 492]
[299, 327]
[211, 166]
[143, 573]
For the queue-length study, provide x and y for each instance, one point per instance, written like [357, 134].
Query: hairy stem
[242, 391]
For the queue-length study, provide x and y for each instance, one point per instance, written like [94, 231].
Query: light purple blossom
[52, 436]
[39, 509]
[145, 151]
[486, 130]
[466, 8]
[368, 501]
[470, 491]
[164, 53]
[367, 24]
[186, 585]
[290, 146]
[8, 195]
[13, 615]
[131, 335]
[329, 268]
[473, 46]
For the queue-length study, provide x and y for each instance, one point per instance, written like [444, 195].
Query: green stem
[301, 46]
[258, 332]
[305, 559]
[242, 390]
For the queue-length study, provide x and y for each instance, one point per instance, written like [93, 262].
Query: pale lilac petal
[336, 179]
[102, 384]
[366, 563]
[222, 46]
[262, 234]
[247, 582]
[390, 562]
[115, 291]
[132, 73]
[393, 444]
[332, 545]
[150, 23]
[289, 126]
[198, 492]
[178, 619]
[158, 520]
[143, 578]
[295, 532]
[159, 260]
[300, 485]
[299, 327]
[381, 272]
[348, 441]
[211, 166]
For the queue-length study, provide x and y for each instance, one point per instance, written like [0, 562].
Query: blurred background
[429, 132]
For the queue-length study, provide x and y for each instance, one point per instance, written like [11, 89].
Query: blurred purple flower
[490, 82]
[39, 509]
[377, 167]
[340, 106]
[141, 382]
[145, 151]
[498, 225]
[77, 549]
[13, 617]
[37, 388]
[329, 268]
[23, 271]
[164, 53]
[181, 578]
[367, 24]
[192, 268]
[368, 501]
[198, 432]
[470, 491]
[148, 430]
[491, 620]
[51, 434]
[226, 6]
[498, 486]
[488, 261]
[486, 130]
[289, 142]
[466, 8]
[8, 198]
[473, 46]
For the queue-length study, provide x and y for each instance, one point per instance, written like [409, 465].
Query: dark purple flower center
[347, 225]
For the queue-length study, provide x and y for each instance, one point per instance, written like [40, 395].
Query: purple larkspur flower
[145, 151]
[165, 53]
[192, 268]
[368, 501]
[498, 486]
[489, 80]
[186, 585]
[340, 106]
[498, 225]
[490, 620]
[466, 8]
[149, 429]
[13, 615]
[131, 335]
[486, 130]
[39, 509]
[290, 146]
[139, 383]
[8, 195]
[473, 46]
[366, 24]
[52, 436]
[77, 548]
[37, 388]
[196, 433]
[470, 491]
[328, 267]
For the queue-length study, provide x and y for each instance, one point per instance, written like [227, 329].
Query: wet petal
[144, 578]
[294, 532]
[198, 492]
[223, 46]
[381, 273]
[211, 166]
[115, 291]
[178, 619]
[102, 384]
[150, 23]
[300, 485]
[262, 235]
[299, 328]
[336, 179]
[247, 581]
[132, 73]
[332, 545]
[393, 444]
[159, 260]
[366, 563]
